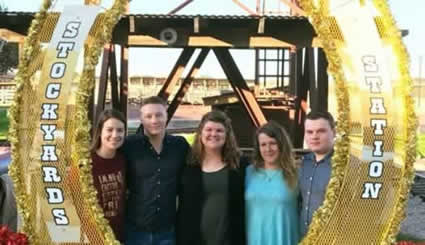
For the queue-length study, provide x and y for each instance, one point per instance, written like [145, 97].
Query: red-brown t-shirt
[109, 181]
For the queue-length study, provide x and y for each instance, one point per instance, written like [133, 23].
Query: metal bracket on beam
[132, 26]
[261, 24]
[196, 24]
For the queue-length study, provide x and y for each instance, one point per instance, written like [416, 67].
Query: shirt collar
[312, 157]
[166, 139]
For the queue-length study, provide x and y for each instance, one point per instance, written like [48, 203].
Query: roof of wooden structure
[178, 31]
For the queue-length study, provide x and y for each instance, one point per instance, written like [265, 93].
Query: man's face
[319, 136]
[154, 119]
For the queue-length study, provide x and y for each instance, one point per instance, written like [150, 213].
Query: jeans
[166, 237]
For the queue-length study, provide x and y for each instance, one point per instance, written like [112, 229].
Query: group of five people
[156, 189]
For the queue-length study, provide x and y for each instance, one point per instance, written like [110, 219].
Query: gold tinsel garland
[22, 79]
[409, 121]
[342, 144]
[340, 159]
[80, 152]
[82, 137]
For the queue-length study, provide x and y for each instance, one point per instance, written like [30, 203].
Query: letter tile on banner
[51, 199]
[372, 164]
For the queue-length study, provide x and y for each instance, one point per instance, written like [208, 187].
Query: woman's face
[269, 149]
[112, 135]
[213, 135]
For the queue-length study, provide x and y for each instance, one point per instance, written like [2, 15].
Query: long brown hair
[230, 152]
[286, 159]
[103, 117]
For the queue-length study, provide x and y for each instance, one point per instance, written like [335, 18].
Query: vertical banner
[49, 131]
[58, 71]
[371, 167]
[54, 210]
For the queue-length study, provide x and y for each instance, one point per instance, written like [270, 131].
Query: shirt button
[159, 170]
[308, 193]
[306, 223]
[158, 209]
[311, 178]
[158, 158]
[159, 182]
[158, 196]
[306, 208]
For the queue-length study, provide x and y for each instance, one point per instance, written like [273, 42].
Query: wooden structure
[217, 34]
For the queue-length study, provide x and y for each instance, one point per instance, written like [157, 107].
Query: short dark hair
[154, 100]
[314, 115]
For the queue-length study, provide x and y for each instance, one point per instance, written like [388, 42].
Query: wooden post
[176, 73]
[186, 83]
[238, 83]
[103, 82]
[124, 79]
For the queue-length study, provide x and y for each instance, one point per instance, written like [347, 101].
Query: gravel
[414, 224]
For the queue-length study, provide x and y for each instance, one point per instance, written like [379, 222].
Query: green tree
[9, 52]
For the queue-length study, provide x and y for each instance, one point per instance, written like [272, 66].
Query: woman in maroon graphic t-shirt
[108, 168]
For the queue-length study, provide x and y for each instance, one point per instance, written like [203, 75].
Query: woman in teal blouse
[271, 190]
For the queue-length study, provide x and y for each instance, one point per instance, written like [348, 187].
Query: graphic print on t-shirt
[111, 187]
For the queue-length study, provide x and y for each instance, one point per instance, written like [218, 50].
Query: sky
[159, 62]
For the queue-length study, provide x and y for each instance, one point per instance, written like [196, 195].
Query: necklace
[270, 174]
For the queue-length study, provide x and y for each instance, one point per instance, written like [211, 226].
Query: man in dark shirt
[315, 171]
[155, 161]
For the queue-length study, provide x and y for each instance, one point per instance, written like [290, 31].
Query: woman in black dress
[211, 200]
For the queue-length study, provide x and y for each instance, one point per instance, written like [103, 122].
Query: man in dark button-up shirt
[155, 161]
[315, 171]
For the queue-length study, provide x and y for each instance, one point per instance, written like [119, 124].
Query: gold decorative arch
[374, 155]
[376, 134]
[51, 165]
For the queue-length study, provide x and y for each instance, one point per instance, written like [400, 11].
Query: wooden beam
[213, 42]
[11, 36]
[297, 116]
[176, 73]
[124, 79]
[187, 82]
[322, 80]
[293, 71]
[268, 42]
[294, 7]
[196, 25]
[309, 77]
[238, 83]
[178, 8]
[261, 25]
[103, 82]
[145, 40]
[244, 7]
[114, 78]
[207, 41]
[318, 87]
